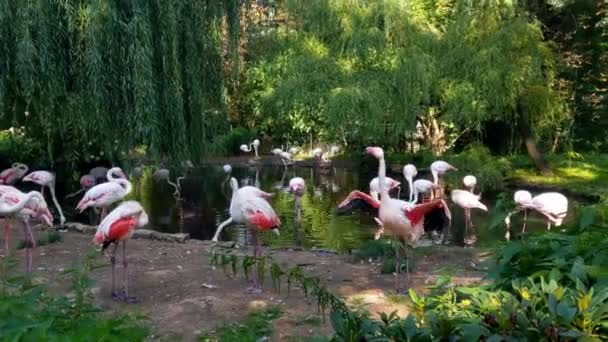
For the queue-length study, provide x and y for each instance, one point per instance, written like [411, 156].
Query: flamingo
[470, 182]
[552, 205]
[227, 170]
[334, 149]
[119, 226]
[401, 218]
[422, 186]
[45, 178]
[467, 200]
[164, 174]
[374, 187]
[247, 208]
[100, 174]
[294, 150]
[105, 194]
[297, 187]
[409, 172]
[317, 152]
[439, 168]
[14, 203]
[285, 158]
[86, 182]
[11, 175]
[252, 146]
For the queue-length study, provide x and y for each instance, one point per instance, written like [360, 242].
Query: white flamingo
[467, 200]
[45, 178]
[16, 204]
[439, 168]
[422, 186]
[247, 208]
[552, 205]
[409, 172]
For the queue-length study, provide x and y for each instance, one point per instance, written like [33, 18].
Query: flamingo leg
[397, 268]
[128, 299]
[115, 295]
[42, 190]
[379, 230]
[523, 227]
[30, 244]
[6, 231]
[257, 253]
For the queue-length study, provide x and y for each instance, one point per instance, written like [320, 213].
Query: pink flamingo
[11, 175]
[119, 226]
[401, 218]
[14, 203]
[422, 186]
[467, 200]
[253, 211]
[552, 205]
[45, 178]
[105, 194]
[369, 203]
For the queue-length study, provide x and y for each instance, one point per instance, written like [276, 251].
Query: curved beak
[47, 217]
[276, 231]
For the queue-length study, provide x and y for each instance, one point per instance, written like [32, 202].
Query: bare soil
[171, 279]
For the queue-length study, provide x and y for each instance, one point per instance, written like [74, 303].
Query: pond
[206, 199]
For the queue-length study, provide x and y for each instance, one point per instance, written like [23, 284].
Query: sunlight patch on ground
[375, 302]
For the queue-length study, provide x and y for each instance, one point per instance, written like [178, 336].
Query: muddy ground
[171, 280]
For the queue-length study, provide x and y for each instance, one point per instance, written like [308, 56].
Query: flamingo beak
[276, 231]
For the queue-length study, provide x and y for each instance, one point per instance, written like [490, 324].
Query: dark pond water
[206, 199]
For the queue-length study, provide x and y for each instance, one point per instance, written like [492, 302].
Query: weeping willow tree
[370, 71]
[95, 78]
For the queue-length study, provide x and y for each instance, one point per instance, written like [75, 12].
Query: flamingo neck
[382, 180]
[126, 183]
[52, 187]
[435, 177]
[234, 185]
[110, 176]
[410, 183]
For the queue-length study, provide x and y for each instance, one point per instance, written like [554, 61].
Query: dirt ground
[169, 280]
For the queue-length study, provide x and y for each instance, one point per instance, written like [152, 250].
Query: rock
[226, 244]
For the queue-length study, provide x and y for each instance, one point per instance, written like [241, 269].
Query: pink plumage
[13, 174]
[43, 178]
[121, 222]
[105, 194]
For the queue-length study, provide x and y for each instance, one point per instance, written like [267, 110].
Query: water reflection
[205, 200]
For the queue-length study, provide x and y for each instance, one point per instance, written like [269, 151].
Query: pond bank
[183, 295]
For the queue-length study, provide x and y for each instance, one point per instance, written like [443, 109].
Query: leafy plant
[257, 325]
[30, 313]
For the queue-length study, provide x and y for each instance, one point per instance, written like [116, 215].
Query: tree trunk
[533, 153]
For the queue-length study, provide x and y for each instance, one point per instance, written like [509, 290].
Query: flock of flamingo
[250, 206]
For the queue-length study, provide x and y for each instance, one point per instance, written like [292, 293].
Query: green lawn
[579, 173]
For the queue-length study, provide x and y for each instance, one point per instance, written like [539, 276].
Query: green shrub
[257, 326]
[476, 160]
[30, 313]
[16, 146]
[237, 137]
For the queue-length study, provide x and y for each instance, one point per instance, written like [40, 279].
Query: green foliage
[235, 138]
[476, 160]
[549, 287]
[92, 79]
[365, 72]
[257, 325]
[15, 145]
[30, 313]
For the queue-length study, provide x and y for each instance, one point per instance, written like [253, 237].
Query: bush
[476, 160]
[16, 146]
[232, 141]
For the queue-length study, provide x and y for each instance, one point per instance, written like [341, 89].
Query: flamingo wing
[258, 213]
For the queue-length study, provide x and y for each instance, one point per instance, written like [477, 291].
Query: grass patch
[257, 325]
[51, 237]
[397, 298]
[579, 173]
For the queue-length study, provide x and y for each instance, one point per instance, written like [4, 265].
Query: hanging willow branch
[100, 77]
